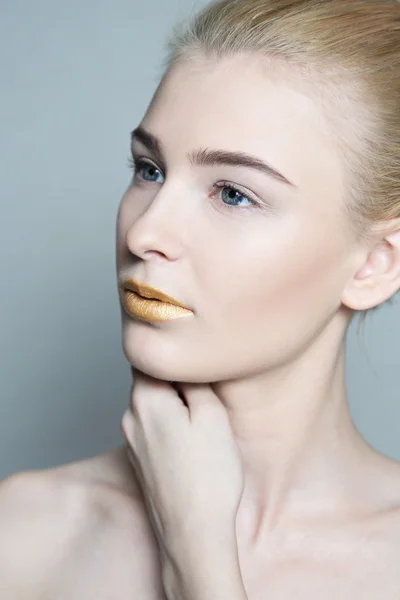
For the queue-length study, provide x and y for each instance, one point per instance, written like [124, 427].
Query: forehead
[236, 104]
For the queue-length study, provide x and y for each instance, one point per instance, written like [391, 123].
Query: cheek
[282, 293]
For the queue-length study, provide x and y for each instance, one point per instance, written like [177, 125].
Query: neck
[300, 449]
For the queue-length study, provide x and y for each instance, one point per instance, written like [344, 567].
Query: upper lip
[148, 291]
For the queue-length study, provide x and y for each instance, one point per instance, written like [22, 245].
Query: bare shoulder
[110, 470]
[103, 485]
[79, 529]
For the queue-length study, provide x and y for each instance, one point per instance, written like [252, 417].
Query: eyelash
[136, 163]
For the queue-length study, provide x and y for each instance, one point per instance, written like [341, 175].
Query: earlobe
[378, 279]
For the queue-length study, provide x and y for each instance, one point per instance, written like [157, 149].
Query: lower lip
[152, 310]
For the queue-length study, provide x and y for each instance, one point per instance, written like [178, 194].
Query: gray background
[76, 78]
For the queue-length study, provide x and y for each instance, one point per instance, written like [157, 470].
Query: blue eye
[233, 195]
[140, 166]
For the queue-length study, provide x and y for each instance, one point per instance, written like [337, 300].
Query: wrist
[213, 584]
[202, 543]
[204, 573]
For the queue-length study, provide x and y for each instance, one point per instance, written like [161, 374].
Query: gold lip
[148, 291]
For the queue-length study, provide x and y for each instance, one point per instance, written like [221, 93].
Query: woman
[264, 212]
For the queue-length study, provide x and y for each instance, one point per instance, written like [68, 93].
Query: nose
[159, 228]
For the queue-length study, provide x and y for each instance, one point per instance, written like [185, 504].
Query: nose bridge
[166, 207]
[159, 226]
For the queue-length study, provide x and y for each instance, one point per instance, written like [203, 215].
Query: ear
[379, 277]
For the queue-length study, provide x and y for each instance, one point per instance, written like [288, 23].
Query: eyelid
[240, 189]
[143, 159]
[138, 157]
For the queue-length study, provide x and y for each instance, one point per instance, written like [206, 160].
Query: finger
[128, 431]
[176, 387]
[134, 464]
[200, 396]
[149, 393]
[128, 427]
[149, 384]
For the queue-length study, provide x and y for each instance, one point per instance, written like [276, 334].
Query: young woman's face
[262, 266]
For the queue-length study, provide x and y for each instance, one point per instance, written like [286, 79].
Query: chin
[167, 368]
[151, 363]
[173, 356]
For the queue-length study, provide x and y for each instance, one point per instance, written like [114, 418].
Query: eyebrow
[205, 157]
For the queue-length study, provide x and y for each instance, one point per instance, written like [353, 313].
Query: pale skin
[300, 505]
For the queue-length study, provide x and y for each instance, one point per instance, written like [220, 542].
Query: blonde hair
[351, 48]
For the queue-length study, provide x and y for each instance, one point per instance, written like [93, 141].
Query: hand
[186, 460]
